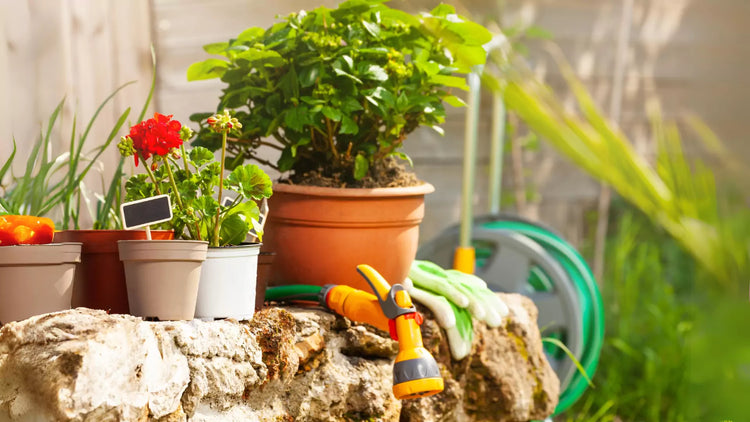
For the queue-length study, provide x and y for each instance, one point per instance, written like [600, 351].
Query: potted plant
[100, 277]
[195, 181]
[336, 92]
[36, 276]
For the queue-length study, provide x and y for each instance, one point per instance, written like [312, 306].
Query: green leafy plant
[337, 91]
[191, 178]
[51, 184]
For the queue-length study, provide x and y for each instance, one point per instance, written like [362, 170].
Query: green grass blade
[8, 162]
[572, 357]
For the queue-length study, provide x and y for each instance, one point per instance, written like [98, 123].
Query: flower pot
[100, 277]
[162, 276]
[265, 261]
[228, 279]
[36, 279]
[321, 234]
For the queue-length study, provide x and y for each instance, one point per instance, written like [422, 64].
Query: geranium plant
[337, 91]
[193, 178]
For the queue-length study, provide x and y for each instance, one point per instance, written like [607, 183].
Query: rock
[505, 378]
[287, 364]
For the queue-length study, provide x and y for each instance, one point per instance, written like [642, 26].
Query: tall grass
[676, 285]
[677, 195]
[648, 287]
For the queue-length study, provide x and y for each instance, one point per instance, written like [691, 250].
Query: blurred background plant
[677, 257]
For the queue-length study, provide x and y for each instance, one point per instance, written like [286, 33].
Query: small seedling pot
[100, 277]
[36, 279]
[162, 276]
[228, 283]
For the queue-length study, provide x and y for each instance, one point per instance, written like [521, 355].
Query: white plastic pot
[228, 280]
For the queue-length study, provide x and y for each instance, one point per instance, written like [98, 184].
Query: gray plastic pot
[36, 279]
[162, 276]
[228, 281]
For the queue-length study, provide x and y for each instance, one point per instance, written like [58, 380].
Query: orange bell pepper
[25, 230]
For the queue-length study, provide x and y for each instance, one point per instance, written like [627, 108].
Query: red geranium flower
[157, 136]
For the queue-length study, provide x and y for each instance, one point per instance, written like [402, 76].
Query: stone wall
[287, 364]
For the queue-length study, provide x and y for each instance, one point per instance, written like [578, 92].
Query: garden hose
[591, 302]
[293, 292]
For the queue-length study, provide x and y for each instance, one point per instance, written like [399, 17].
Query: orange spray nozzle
[415, 372]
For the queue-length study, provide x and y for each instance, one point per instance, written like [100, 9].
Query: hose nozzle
[415, 372]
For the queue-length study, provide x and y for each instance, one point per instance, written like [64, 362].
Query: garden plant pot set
[350, 84]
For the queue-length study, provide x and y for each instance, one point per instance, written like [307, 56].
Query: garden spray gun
[415, 372]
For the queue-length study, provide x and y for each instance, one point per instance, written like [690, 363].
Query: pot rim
[419, 190]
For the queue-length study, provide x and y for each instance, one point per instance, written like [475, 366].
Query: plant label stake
[145, 212]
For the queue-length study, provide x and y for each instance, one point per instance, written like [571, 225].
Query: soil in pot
[100, 277]
[228, 283]
[36, 279]
[162, 276]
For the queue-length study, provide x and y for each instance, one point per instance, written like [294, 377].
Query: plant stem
[215, 239]
[184, 156]
[150, 173]
[178, 197]
[330, 139]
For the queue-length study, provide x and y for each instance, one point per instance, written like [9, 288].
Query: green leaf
[207, 69]
[340, 72]
[372, 28]
[350, 105]
[233, 230]
[296, 118]
[454, 101]
[247, 209]
[200, 156]
[208, 205]
[260, 58]
[302, 142]
[361, 166]
[443, 10]
[354, 7]
[216, 48]
[250, 181]
[348, 126]
[348, 60]
[332, 113]
[8, 162]
[250, 34]
[286, 161]
[376, 73]
[450, 81]
[308, 76]
[404, 157]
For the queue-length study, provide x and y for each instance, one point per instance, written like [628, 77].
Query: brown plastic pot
[320, 235]
[162, 276]
[36, 279]
[265, 260]
[100, 277]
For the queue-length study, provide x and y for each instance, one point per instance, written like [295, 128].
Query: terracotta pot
[227, 286]
[162, 276]
[321, 234]
[100, 277]
[265, 260]
[36, 279]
